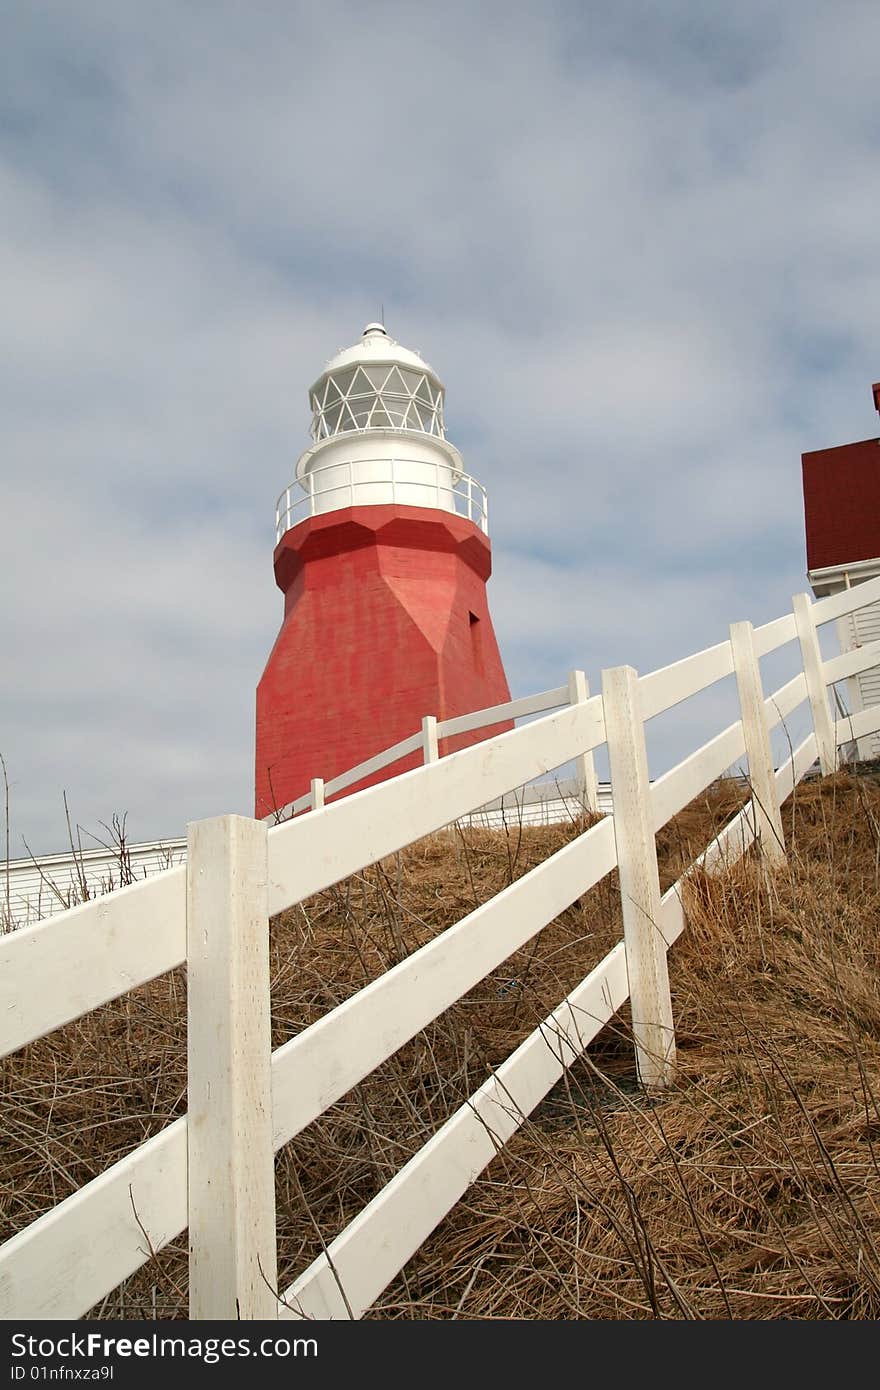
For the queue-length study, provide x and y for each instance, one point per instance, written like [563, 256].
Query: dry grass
[748, 1191]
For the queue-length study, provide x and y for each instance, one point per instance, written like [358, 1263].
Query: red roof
[842, 503]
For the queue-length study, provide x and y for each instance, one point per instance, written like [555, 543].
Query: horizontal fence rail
[362, 1261]
[826, 610]
[851, 663]
[447, 728]
[55, 971]
[63, 1263]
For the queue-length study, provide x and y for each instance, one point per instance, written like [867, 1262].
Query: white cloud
[637, 242]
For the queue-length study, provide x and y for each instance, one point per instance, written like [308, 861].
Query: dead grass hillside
[750, 1190]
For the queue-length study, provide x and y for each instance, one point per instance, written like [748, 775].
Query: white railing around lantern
[364, 482]
[212, 1169]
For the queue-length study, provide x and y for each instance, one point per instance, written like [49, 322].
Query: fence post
[765, 800]
[585, 768]
[811, 657]
[317, 792]
[231, 1179]
[430, 746]
[646, 964]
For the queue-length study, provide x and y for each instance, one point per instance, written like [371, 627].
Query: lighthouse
[382, 553]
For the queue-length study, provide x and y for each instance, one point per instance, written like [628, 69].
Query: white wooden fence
[426, 741]
[42, 886]
[211, 1170]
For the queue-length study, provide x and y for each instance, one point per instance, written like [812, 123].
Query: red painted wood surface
[842, 504]
[386, 620]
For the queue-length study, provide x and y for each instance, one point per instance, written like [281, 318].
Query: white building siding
[856, 630]
[867, 627]
[47, 884]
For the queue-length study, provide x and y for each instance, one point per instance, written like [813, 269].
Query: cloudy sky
[638, 243]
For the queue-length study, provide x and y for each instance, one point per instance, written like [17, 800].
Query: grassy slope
[749, 1191]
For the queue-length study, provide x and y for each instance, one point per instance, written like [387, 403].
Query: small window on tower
[476, 643]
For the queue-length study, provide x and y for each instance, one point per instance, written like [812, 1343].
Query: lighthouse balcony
[408, 482]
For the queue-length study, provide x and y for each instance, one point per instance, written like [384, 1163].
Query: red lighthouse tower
[382, 553]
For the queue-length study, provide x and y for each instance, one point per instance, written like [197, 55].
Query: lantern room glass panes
[377, 397]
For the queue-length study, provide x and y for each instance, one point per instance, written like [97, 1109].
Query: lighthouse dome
[376, 384]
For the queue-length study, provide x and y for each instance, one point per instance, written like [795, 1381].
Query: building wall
[842, 503]
[856, 630]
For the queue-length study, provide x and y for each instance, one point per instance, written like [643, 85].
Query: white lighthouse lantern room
[379, 439]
